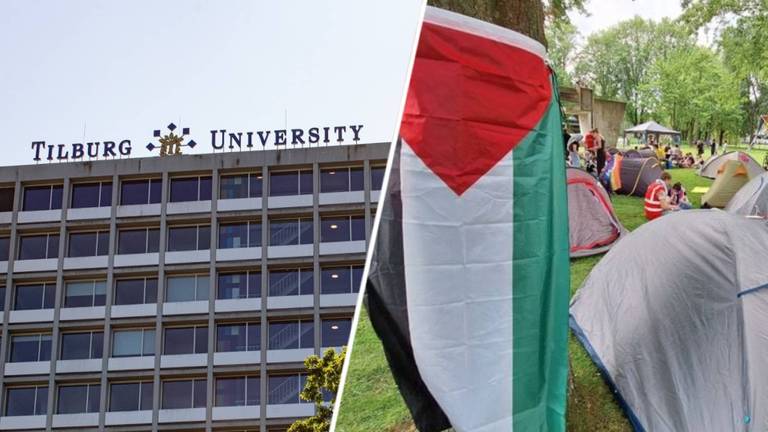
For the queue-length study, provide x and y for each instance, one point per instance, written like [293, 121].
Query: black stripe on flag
[387, 307]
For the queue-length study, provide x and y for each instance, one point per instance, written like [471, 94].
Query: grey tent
[712, 165]
[676, 318]
[631, 176]
[632, 153]
[751, 199]
[651, 128]
[592, 223]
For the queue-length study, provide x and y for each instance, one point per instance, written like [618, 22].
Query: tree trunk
[524, 16]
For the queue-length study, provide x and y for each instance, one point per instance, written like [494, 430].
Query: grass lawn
[371, 401]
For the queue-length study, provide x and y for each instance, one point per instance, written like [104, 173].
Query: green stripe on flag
[540, 278]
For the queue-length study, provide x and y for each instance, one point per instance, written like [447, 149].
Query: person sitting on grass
[678, 197]
[688, 161]
[657, 202]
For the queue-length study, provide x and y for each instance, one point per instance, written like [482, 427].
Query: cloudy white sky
[89, 70]
[605, 13]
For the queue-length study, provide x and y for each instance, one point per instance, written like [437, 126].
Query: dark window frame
[248, 328]
[87, 402]
[40, 407]
[299, 286]
[248, 239]
[144, 290]
[351, 268]
[141, 385]
[149, 183]
[46, 287]
[144, 331]
[301, 323]
[40, 353]
[101, 197]
[194, 329]
[299, 187]
[301, 222]
[94, 294]
[147, 248]
[198, 181]
[48, 252]
[97, 245]
[92, 354]
[193, 403]
[249, 193]
[247, 276]
[198, 243]
[51, 188]
[197, 277]
[245, 399]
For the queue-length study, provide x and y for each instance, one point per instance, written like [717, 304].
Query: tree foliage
[617, 62]
[323, 374]
[561, 38]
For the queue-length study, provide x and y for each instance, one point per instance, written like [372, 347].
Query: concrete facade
[160, 315]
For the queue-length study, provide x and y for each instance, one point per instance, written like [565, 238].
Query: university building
[181, 292]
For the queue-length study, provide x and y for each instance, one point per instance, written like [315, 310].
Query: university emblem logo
[171, 143]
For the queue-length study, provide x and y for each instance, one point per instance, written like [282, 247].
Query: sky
[88, 70]
[605, 13]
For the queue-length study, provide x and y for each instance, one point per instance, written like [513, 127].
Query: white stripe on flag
[458, 273]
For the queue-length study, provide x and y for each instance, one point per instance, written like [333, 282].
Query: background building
[178, 293]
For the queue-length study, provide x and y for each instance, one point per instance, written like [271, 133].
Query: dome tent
[751, 199]
[683, 345]
[631, 176]
[712, 165]
[593, 225]
[731, 176]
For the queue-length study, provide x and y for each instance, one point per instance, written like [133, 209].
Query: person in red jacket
[657, 200]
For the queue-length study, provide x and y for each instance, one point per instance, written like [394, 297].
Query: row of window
[282, 232]
[184, 288]
[197, 188]
[175, 394]
[230, 337]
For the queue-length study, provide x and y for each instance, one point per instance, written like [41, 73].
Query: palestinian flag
[468, 287]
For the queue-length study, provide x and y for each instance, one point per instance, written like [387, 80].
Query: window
[187, 288]
[186, 340]
[240, 186]
[86, 195]
[39, 246]
[146, 191]
[5, 245]
[133, 343]
[283, 232]
[341, 280]
[24, 401]
[239, 285]
[291, 335]
[2, 297]
[184, 394]
[42, 197]
[239, 235]
[189, 238]
[285, 389]
[283, 183]
[135, 291]
[238, 337]
[80, 346]
[291, 282]
[74, 399]
[342, 228]
[138, 241]
[238, 391]
[335, 332]
[191, 189]
[377, 177]
[85, 294]
[132, 396]
[30, 348]
[341, 179]
[36, 296]
[6, 199]
[88, 244]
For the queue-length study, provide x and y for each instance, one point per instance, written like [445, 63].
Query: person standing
[600, 152]
[700, 149]
[712, 147]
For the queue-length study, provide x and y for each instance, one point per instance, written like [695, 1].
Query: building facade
[178, 292]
